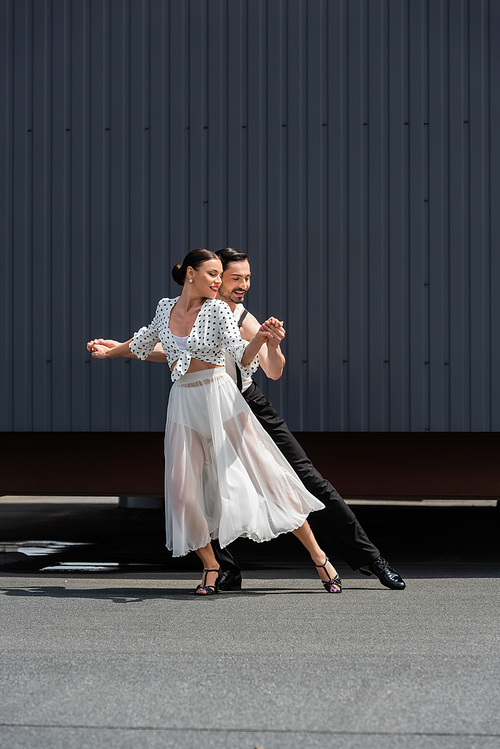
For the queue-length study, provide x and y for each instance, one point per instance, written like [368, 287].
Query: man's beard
[227, 296]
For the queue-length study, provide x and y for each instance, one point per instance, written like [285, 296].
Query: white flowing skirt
[224, 476]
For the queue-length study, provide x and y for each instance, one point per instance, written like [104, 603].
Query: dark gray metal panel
[347, 146]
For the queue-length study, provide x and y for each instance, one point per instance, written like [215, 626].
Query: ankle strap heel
[208, 590]
[331, 586]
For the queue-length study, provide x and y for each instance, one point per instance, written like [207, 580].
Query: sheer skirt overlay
[224, 476]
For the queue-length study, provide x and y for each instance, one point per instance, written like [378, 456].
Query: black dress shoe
[230, 580]
[385, 574]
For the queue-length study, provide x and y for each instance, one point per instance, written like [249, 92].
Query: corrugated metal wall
[347, 145]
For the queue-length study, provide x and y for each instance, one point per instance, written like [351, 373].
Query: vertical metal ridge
[6, 215]
[485, 48]
[459, 390]
[19, 257]
[159, 171]
[385, 352]
[66, 260]
[127, 311]
[244, 77]
[375, 127]
[447, 223]
[479, 223]
[425, 207]
[191, 241]
[28, 218]
[345, 391]
[467, 213]
[357, 218]
[186, 80]
[137, 104]
[296, 301]
[322, 419]
[277, 143]
[146, 177]
[333, 124]
[405, 220]
[48, 223]
[225, 167]
[87, 281]
[494, 117]
[106, 182]
[40, 322]
[204, 107]
[60, 364]
[257, 116]
[304, 219]
[438, 208]
[167, 166]
[364, 210]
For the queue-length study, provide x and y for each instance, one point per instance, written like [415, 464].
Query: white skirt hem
[245, 534]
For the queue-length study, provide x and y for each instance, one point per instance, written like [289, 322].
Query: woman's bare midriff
[196, 365]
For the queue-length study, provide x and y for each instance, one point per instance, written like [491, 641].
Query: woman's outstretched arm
[100, 351]
[157, 355]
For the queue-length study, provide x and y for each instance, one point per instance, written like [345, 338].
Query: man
[351, 542]
[337, 520]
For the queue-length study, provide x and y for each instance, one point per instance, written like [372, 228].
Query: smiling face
[206, 278]
[235, 282]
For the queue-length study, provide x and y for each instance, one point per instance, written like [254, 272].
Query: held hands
[100, 346]
[271, 332]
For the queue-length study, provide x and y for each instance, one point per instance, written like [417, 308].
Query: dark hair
[193, 259]
[228, 255]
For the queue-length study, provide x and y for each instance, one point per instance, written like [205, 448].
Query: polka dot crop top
[215, 330]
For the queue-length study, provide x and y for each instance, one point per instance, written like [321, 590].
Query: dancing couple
[224, 474]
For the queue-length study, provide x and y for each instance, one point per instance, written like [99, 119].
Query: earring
[190, 280]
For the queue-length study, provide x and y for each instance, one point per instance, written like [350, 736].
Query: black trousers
[336, 525]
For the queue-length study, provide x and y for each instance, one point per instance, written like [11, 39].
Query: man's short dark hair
[229, 255]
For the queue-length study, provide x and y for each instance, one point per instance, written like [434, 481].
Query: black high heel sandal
[328, 584]
[208, 590]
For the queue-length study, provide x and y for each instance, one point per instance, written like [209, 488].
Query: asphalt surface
[103, 645]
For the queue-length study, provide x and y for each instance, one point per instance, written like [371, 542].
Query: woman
[224, 477]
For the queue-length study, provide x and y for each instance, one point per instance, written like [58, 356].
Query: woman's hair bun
[179, 274]
[193, 259]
